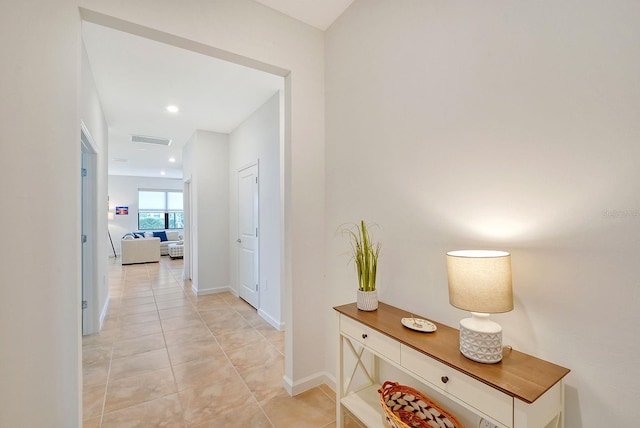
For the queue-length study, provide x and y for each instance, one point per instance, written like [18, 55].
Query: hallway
[166, 357]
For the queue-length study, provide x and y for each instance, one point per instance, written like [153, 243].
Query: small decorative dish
[419, 324]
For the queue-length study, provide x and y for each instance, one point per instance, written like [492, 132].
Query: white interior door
[248, 248]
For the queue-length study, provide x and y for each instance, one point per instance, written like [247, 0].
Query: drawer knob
[444, 379]
[364, 335]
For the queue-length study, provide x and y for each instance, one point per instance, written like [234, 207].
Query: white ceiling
[136, 78]
[317, 13]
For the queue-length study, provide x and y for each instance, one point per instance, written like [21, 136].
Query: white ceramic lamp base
[481, 339]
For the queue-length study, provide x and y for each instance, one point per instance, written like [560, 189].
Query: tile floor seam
[142, 402]
[166, 347]
[271, 343]
[173, 374]
[195, 308]
[235, 369]
[264, 413]
[228, 361]
[171, 364]
[106, 386]
[255, 399]
[168, 358]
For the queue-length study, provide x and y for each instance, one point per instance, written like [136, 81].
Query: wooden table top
[518, 374]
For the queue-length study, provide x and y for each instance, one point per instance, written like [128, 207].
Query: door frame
[286, 204]
[187, 272]
[89, 281]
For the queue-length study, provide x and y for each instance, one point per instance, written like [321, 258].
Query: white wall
[206, 166]
[93, 119]
[123, 191]
[258, 138]
[510, 126]
[40, 187]
[249, 33]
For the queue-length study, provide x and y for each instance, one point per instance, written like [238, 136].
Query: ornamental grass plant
[365, 254]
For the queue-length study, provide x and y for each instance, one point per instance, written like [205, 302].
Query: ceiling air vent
[150, 140]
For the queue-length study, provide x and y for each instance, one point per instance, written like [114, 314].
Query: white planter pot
[367, 300]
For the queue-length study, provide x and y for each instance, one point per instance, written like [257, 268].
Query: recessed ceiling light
[162, 173]
[172, 160]
[173, 109]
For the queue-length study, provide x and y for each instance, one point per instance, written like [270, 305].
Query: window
[159, 209]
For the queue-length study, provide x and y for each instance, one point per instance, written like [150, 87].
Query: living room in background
[160, 209]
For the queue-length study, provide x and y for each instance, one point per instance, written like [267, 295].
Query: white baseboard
[273, 322]
[307, 383]
[103, 313]
[330, 381]
[205, 291]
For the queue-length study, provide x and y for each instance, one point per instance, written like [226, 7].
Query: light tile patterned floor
[168, 358]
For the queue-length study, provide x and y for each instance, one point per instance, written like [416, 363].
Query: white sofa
[141, 250]
[173, 237]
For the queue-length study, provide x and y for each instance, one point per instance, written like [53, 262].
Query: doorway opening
[283, 302]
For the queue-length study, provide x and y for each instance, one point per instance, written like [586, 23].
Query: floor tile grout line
[113, 344]
[168, 357]
[143, 402]
[269, 341]
[173, 373]
[166, 348]
[243, 380]
[111, 362]
[184, 420]
[233, 365]
[225, 355]
[253, 395]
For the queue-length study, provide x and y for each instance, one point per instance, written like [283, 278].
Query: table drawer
[476, 394]
[371, 338]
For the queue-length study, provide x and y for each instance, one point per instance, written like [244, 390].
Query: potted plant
[365, 254]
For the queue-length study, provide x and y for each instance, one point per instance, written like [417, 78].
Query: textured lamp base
[483, 347]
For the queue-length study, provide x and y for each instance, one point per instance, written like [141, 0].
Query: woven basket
[405, 407]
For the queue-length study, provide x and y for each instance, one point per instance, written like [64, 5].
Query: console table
[519, 392]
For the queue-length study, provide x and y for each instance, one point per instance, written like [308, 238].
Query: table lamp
[480, 282]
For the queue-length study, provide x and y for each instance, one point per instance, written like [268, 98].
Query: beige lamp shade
[480, 280]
